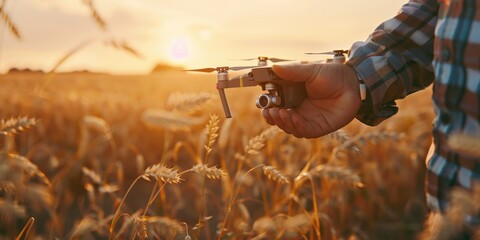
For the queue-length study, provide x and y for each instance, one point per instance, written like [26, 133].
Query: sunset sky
[202, 33]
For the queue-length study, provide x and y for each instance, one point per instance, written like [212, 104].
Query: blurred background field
[94, 134]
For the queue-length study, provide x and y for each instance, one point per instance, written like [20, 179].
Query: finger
[286, 116]
[267, 117]
[299, 122]
[289, 126]
[274, 113]
[305, 128]
[297, 72]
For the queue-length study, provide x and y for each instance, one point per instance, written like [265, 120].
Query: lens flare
[180, 49]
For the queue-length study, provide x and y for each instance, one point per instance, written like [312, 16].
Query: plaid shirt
[428, 41]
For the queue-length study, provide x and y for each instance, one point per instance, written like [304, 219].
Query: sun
[180, 49]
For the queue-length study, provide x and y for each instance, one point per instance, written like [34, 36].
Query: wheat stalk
[187, 237]
[69, 54]
[8, 22]
[40, 90]
[157, 171]
[26, 229]
[212, 133]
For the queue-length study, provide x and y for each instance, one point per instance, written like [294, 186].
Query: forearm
[396, 59]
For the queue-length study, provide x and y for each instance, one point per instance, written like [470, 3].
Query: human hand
[333, 99]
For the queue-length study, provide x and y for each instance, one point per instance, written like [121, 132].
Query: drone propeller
[207, 70]
[241, 68]
[275, 60]
[334, 52]
[262, 58]
[220, 69]
[318, 53]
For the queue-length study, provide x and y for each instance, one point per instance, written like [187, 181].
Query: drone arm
[241, 81]
[223, 98]
[244, 80]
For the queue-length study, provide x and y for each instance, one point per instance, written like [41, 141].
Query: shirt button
[445, 54]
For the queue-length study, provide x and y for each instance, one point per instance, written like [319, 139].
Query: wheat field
[98, 156]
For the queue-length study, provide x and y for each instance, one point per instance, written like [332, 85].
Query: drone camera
[267, 101]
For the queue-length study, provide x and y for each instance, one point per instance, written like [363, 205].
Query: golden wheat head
[160, 172]
[14, 125]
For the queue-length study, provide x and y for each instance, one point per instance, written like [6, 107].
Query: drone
[278, 92]
[338, 55]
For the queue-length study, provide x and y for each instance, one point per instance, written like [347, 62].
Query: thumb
[297, 72]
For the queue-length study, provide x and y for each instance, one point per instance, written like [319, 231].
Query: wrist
[367, 112]
[362, 87]
[359, 87]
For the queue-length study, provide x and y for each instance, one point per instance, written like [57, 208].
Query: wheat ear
[96, 16]
[188, 102]
[209, 172]
[160, 172]
[158, 118]
[274, 174]
[8, 22]
[124, 46]
[14, 125]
